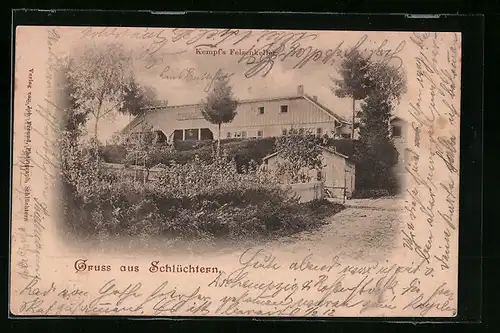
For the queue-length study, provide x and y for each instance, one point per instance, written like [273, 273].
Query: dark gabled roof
[322, 107]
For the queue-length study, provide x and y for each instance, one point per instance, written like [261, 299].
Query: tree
[219, 106]
[354, 82]
[138, 98]
[72, 117]
[388, 83]
[375, 154]
[142, 149]
[298, 150]
[101, 75]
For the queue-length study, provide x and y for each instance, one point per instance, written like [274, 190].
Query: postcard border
[471, 27]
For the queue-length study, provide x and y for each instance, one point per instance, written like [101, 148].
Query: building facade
[337, 172]
[399, 133]
[260, 118]
[257, 118]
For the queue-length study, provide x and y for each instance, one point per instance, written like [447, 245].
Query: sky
[172, 61]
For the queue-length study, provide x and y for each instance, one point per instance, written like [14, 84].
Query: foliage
[243, 151]
[342, 146]
[100, 75]
[137, 98]
[376, 155]
[380, 86]
[186, 145]
[371, 193]
[389, 84]
[79, 168]
[208, 195]
[355, 80]
[113, 153]
[142, 151]
[299, 151]
[220, 105]
[198, 199]
[355, 77]
[72, 118]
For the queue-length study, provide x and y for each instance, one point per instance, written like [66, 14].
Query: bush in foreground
[199, 199]
[371, 193]
[243, 151]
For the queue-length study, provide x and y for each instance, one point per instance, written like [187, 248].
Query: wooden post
[199, 134]
[183, 135]
[345, 187]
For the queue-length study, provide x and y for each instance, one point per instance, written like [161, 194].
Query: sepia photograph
[260, 172]
[234, 161]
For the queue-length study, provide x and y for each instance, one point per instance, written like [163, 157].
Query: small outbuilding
[338, 173]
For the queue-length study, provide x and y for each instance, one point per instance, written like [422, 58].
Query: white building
[257, 118]
[267, 117]
[337, 172]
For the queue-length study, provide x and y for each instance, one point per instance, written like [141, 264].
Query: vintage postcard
[178, 172]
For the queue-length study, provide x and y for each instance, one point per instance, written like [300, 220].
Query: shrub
[243, 151]
[180, 145]
[298, 150]
[343, 146]
[207, 199]
[371, 193]
[113, 153]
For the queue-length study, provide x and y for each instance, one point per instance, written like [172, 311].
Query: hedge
[242, 150]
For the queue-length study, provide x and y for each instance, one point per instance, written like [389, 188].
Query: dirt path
[366, 229]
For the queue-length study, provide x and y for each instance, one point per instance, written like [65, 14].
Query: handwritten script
[414, 275]
[254, 289]
[433, 168]
[263, 49]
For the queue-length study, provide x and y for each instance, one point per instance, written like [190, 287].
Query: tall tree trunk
[95, 140]
[95, 129]
[97, 117]
[353, 117]
[218, 142]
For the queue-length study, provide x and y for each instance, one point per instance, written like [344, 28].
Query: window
[206, 134]
[260, 134]
[396, 131]
[319, 131]
[160, 137]
[284, 108]
[261, 110]
[347, 136]
[406, 156]
[284, 131]
[178, 135]
[191, 134]
[228, 135]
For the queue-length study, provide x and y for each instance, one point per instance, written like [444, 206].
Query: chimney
[315, 98]
[300, 90]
